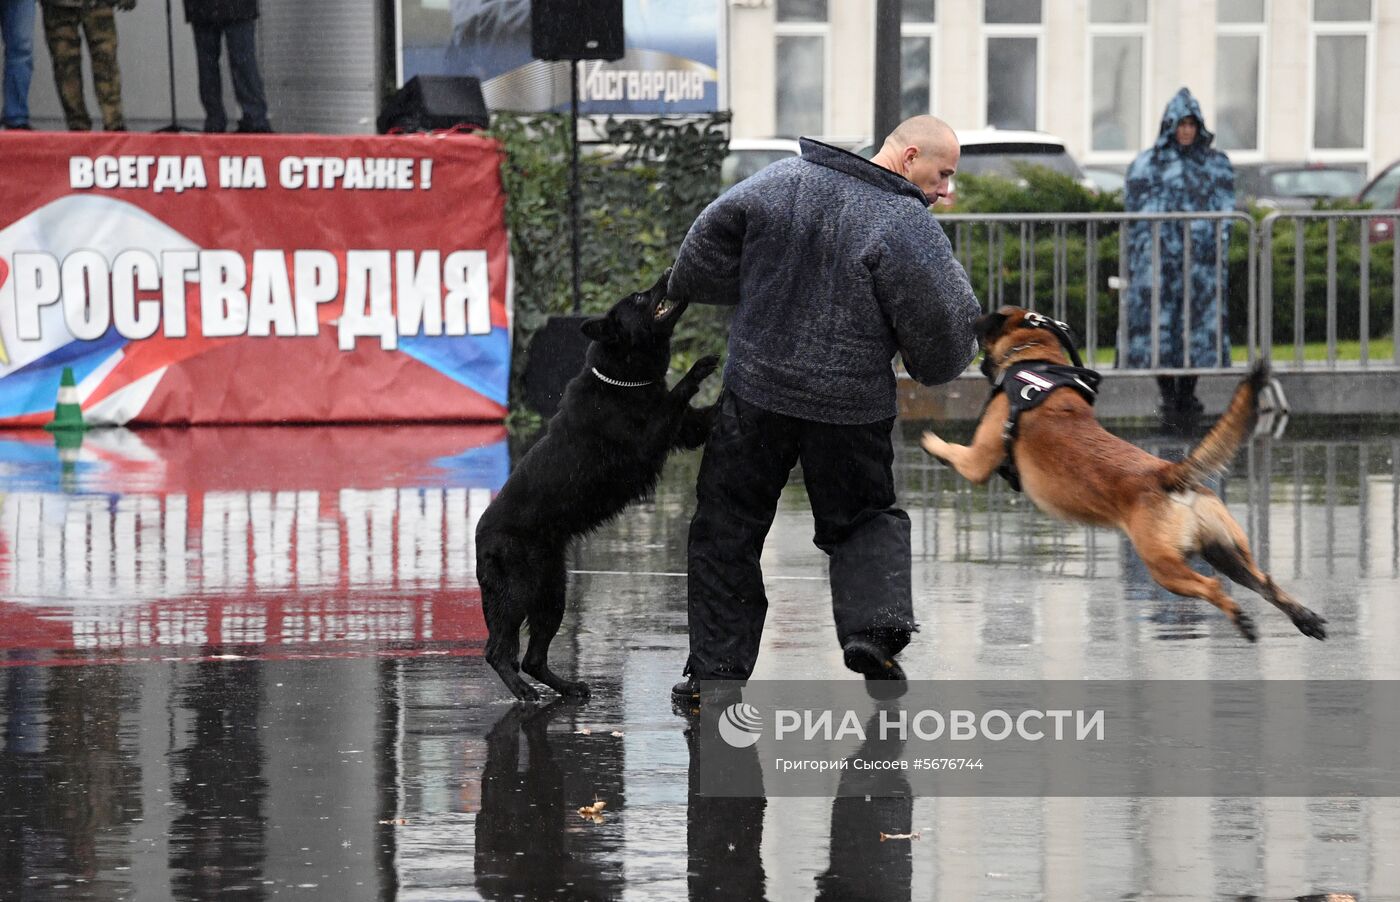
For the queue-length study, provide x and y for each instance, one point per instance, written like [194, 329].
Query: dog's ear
[988, 324]
[599, 328]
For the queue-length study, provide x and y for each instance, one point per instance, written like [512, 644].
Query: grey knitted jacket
[833, 264]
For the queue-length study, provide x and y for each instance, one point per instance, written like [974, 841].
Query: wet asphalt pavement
[245, 664]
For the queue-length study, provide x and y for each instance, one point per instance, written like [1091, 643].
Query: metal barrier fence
[1365, 223]
[1335, 500]
[1062, 263]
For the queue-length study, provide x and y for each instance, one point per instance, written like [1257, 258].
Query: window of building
[1012, 56]
[1012, 12]
[920, 12]
[1342, 34]
[801, 61]
[802, 11]
[1244, 12]
[1117, 60]
[1239, 83]
[916, 51]
[1125, 11]
[1342, 11]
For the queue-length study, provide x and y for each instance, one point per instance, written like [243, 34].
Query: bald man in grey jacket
[833, 264]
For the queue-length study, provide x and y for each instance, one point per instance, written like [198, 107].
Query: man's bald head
[928, 133]
[923, 149]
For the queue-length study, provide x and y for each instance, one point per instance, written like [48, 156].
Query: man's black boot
[869, 655]
[685, 698]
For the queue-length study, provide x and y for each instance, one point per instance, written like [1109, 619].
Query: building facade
[1277, 79]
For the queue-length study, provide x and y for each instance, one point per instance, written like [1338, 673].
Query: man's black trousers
[850, 485]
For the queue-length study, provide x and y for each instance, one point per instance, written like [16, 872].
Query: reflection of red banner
[270, 541]
[263, 627]
[253, 279]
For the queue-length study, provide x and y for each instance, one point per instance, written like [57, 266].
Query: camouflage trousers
[61, 28]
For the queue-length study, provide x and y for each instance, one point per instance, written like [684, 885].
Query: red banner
[252, 278]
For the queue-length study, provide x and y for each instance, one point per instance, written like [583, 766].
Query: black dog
[603, 450]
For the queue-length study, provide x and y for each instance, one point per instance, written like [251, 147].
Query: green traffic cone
[67, 414]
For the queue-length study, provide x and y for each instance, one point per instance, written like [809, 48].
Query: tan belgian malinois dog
[1073, 469]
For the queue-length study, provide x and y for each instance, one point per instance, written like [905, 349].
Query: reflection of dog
[524, 847]
[1075, 470]
[603, 450]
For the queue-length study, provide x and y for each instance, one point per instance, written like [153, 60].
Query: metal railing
[1334, 502]
[1364, 222]
[1061, 263]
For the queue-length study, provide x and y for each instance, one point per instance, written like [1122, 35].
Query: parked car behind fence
[1383, 194]
[1106, 179]
[1295, 186]
[748, 155]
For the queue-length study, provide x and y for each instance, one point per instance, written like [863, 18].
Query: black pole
[573, 182]
[888, 14]
[170, 59]
[174, 125]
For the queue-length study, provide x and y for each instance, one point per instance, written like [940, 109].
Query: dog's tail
[1213, 453]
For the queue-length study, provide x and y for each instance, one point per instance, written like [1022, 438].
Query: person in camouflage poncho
[66, 23]
[1180, 172]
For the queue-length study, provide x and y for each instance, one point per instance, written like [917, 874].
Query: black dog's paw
[689, 386]
[704, 367]
[575, 689]
[696, 426]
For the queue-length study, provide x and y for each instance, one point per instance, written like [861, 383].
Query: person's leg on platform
[100, 28]
[17, 34]
[849, 475]
[208, 40]
[247, 82]
[61, 24]
[1187, 404]
[747, 459]
[1166, 409]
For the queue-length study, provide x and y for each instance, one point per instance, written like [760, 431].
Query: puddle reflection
[526, 842]
[218, 840]
[871, 806]
[288, 540]
[271, 685]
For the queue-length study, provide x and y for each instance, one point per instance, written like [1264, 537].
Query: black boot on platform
[1167, 407]
[1186, 401]
[1187, 414]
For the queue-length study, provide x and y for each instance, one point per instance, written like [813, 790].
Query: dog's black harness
[1028, 384]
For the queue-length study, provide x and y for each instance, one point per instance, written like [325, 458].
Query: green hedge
[639, 194]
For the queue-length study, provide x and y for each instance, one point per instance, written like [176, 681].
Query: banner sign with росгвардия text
[253, 279]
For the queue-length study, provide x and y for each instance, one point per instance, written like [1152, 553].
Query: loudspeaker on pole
[576, 29]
